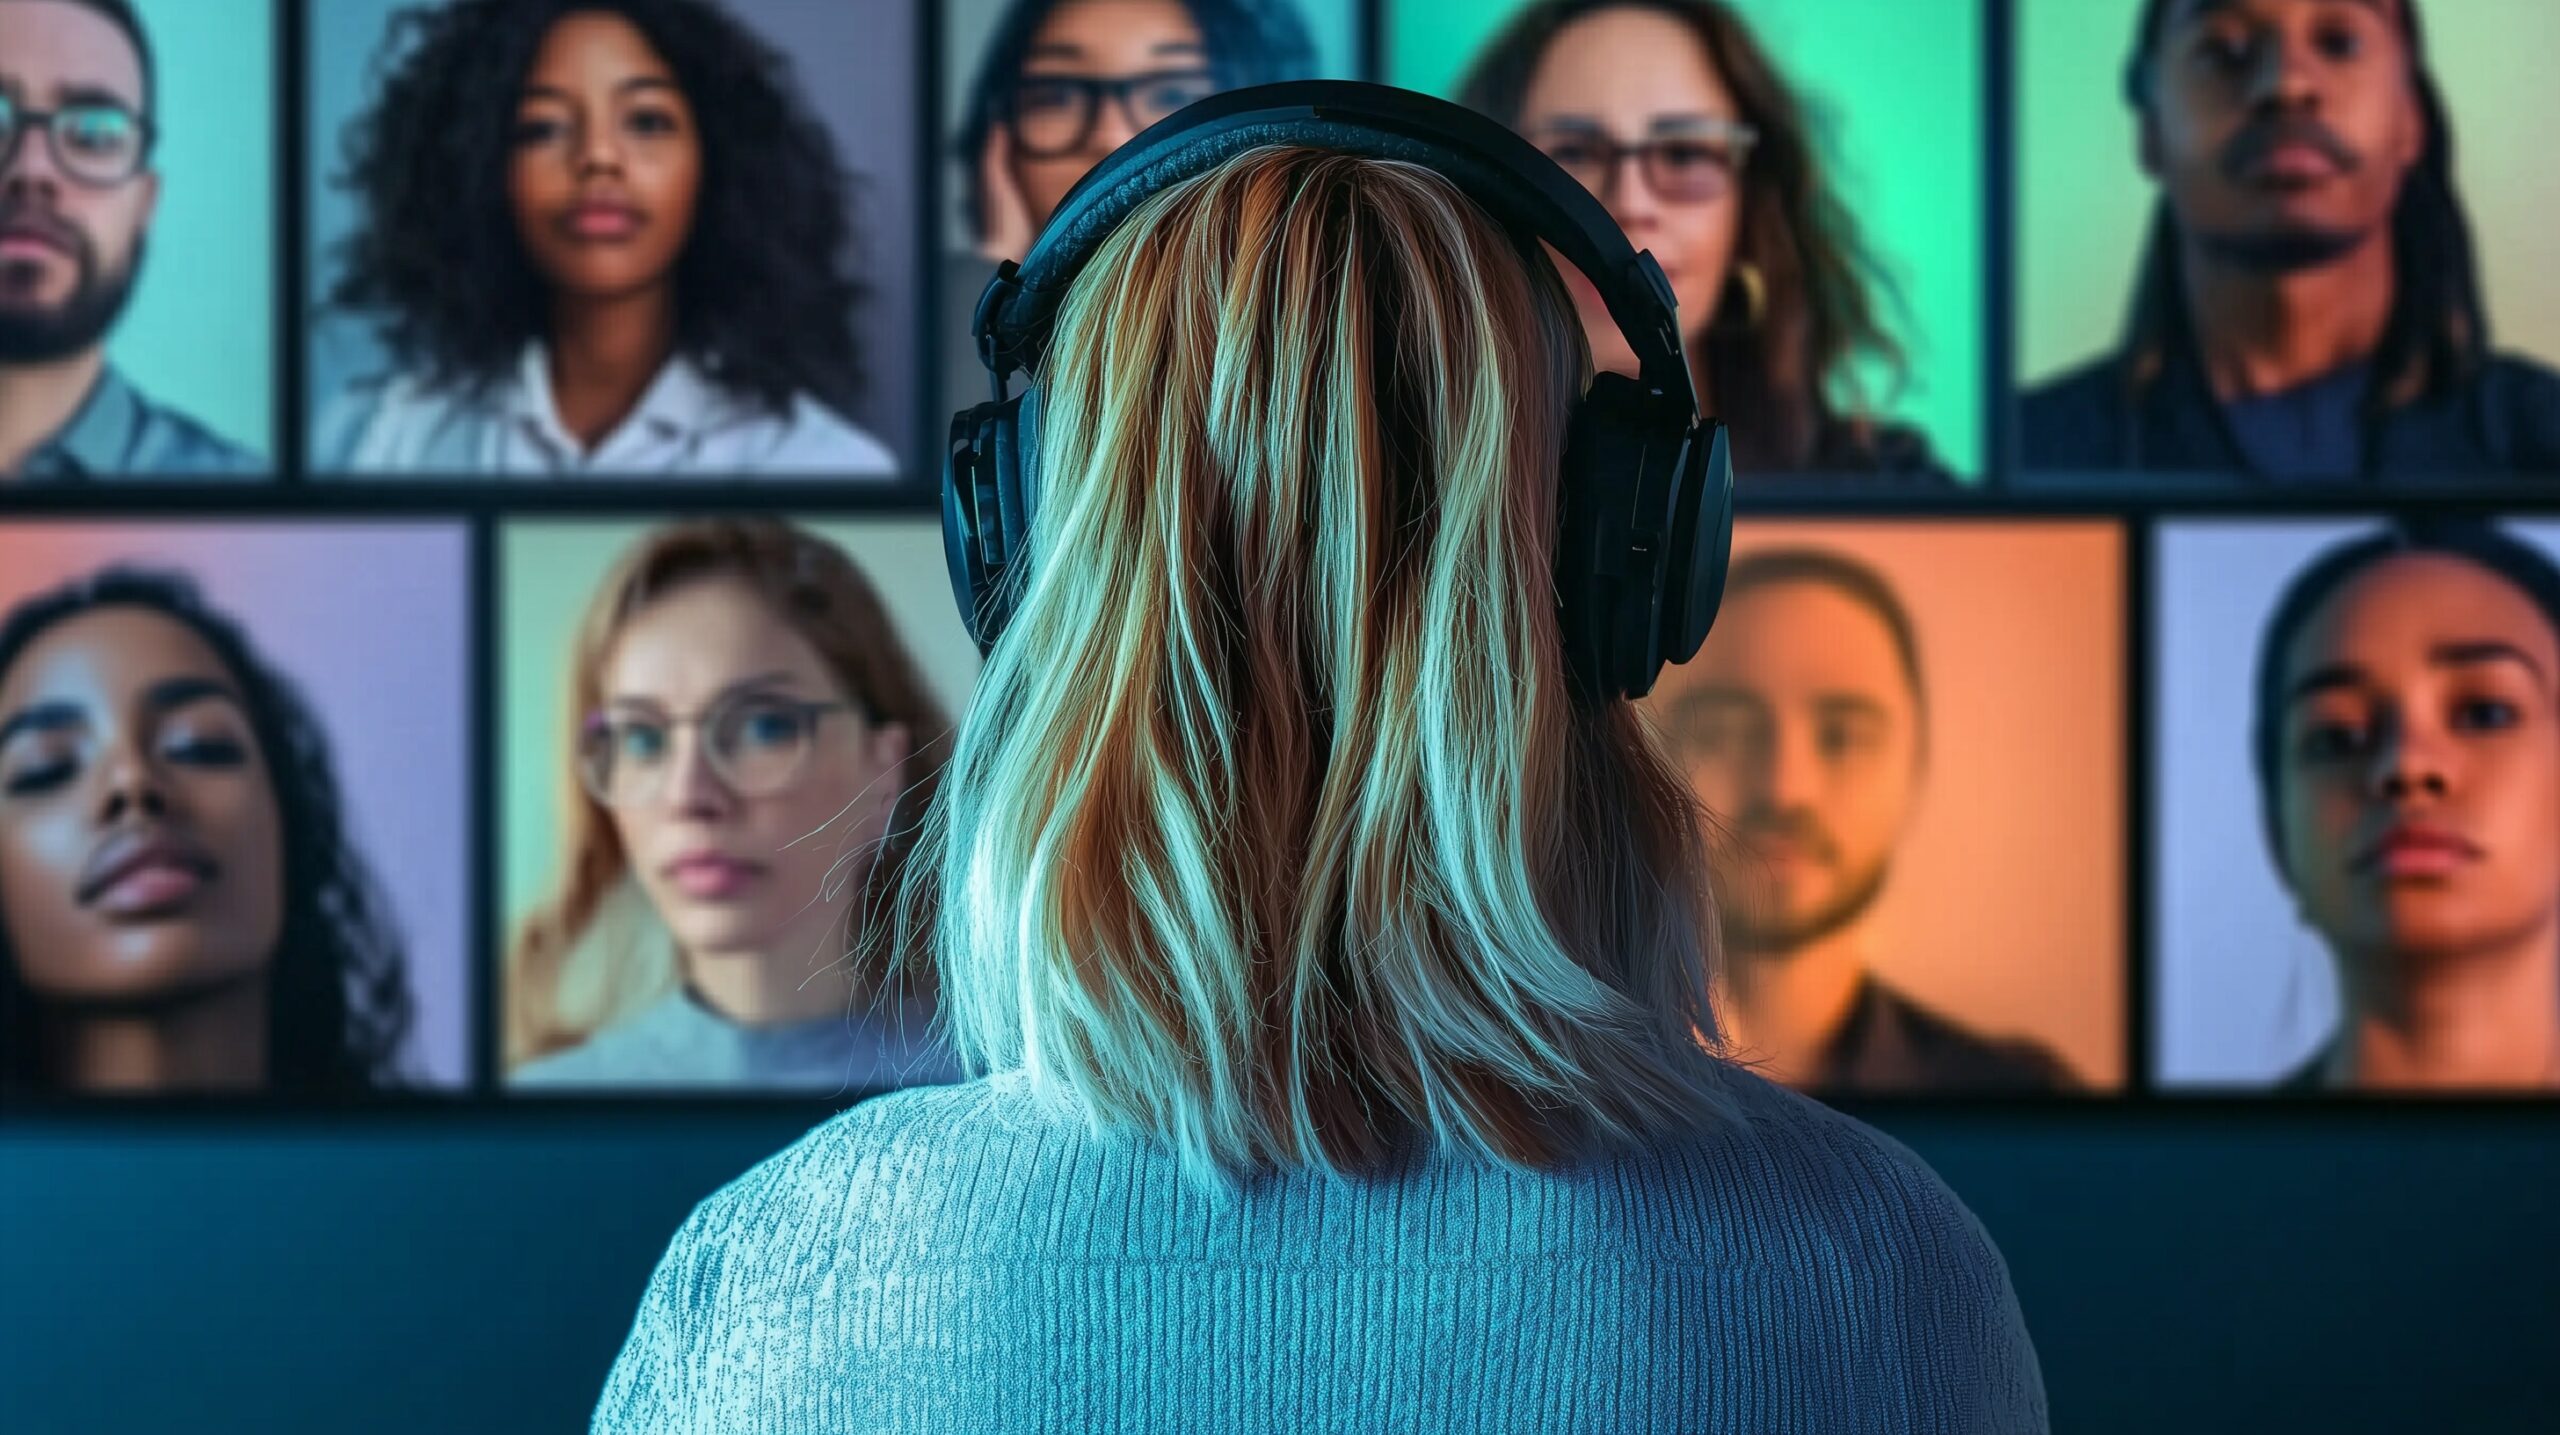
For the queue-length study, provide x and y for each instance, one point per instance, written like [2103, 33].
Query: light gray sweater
[959, 1259]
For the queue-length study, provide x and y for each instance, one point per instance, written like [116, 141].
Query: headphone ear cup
[1701, 542]
[979, 491]
[988, 501]
[1612, 533]
[1010, 448]
[1018, 470]
[968, 502]
[1581, 592]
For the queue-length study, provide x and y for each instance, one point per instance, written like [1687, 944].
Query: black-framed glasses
[757, 745]
[95, 143]
[1053, 115]
[1687, 168]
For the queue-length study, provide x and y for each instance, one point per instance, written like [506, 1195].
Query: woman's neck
[215, 1040]
[604, 355]
[787, 984]
[2488, 1020]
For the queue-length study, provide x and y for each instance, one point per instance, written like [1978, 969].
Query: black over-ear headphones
[1646, 492]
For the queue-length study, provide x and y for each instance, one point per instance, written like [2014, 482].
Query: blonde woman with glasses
[747, 731]
[1339, 972]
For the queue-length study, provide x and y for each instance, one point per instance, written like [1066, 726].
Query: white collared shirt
[683, 424]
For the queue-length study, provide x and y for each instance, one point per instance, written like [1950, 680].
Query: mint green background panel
[2083, 201]
[1897, 85]
[199, 332]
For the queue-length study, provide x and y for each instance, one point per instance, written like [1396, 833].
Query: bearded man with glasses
[77, 194]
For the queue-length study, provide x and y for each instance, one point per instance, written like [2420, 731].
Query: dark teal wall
[2188, 1270]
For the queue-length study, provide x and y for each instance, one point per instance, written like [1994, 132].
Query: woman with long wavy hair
[1782, 300]
[182, 903]
[1340, 974]
[747, 746]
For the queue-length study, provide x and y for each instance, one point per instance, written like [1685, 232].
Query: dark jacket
[2503, 422]
[1892, 1043]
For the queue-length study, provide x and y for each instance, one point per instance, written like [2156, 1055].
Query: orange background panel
[2005, 908]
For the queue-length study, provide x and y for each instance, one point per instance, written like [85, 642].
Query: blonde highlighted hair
[1272, 829]
[594, 951]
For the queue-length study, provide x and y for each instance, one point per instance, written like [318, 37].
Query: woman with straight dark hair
[2407, 740]
[1341, 968]
[1781, 298]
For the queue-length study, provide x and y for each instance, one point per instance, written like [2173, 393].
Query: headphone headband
[1644, 489]
[1502, 173]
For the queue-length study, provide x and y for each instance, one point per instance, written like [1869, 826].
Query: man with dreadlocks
[2308, 309]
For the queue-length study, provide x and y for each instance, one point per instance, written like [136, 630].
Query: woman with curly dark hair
[601, 236]
[180, 906]
[1779, 296]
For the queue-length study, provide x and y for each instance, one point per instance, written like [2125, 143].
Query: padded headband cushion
[1502, 173]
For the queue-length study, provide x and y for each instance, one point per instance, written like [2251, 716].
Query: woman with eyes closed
[752, 746]
[1671, 113]
[180, 907]
[2407, 742]
[601, 237]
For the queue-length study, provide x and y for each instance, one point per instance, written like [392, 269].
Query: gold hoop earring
[1755, 292]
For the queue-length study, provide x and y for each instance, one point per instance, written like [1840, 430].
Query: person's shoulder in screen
[657, 1046]
[815, 442]
[2506, 419]
[406, 424]
[946, 1257]
[2072, 419]
[177, 445]
[676, 1043]
[119, 432]
[2522, 396]
[1878, 449]
[394, 424]
[1943, 1054]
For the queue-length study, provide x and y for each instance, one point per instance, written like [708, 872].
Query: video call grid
[486, 511]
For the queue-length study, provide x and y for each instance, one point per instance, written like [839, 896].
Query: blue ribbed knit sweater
[957, 1259]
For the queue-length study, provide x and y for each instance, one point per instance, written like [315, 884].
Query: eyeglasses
[94, 144]
[756, 745]
[1688, 168]
[1052, 115]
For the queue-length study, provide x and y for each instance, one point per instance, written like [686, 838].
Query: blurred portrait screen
[1907, 739]
[721, 735]
[233, 824]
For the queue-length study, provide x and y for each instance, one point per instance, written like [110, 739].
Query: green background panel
[199, 332]
[548, 573]
[2082, 200]
[1900, 82]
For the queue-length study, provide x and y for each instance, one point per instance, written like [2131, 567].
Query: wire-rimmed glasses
[757, 744]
